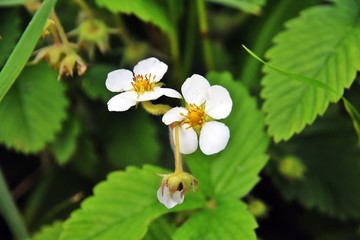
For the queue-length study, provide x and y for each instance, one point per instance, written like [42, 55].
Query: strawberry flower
[142, 85]
[204, 105]
[169, 200]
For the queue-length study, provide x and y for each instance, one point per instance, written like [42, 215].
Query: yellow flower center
[141, 83]
[195, 116]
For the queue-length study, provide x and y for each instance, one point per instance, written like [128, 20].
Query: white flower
[204, 105]
[141, 86]
[169, 200]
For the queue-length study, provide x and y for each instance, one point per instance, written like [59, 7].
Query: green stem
[204, 32]
[10, 211]
[190, 39]
[174, 44]
[61, 31]
[85, 8]
[178, 159]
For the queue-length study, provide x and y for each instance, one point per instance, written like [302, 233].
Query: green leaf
[321, 44]
[85, 159]
[51, 232]
[65, 142]
[270, 23]
[24, 48]
[303, 79]
[93, 82]
[129, 138]
[234, 171]
[250, 6]
[146, 10]
[9, 32]
[32, 112]
[161, 228]
[229, 219]
[354, 114]
[330, 153]
[124, 205]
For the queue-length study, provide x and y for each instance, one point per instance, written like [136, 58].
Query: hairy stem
[61, 31]
[178, 159]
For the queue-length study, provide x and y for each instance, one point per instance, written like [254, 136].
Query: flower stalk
[85, 8]
[204, 32]
[178, 159]
[61, 32]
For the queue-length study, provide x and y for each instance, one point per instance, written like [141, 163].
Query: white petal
[188, 139]
[174, 115]
[177, 197]
[169, 92]
[119, 80]
[214, 137]
[156, 93]
[218, 103]
[122, 101]
[151, 65]
[170, 203]
[148, 96]
[194, 89]
[163, 194]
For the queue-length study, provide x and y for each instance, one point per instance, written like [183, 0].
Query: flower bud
[94, 32]
[258, 208]
[174, 187]
[292, 168]
[49, 26]
[70, 62]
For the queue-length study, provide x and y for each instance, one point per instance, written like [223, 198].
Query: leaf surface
[250, 6]
[330, 153]
[49, 232]
[322, 44]
[32, 112]
[132, 139]
[65, 142]
[123, 205]
[146, 10]
[229, 219]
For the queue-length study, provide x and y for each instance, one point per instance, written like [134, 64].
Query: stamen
[195, 116]
[141, 83]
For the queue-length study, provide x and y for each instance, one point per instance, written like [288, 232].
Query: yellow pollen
[141, 83]
[195, 116]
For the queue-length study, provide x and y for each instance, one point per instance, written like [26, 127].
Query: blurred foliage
[78, 171]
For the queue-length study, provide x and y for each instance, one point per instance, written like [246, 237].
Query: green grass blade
[10, 3]
[24, 48]
[311, 81]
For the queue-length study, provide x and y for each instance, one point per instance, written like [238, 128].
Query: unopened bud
[292, 168]
[258, 208]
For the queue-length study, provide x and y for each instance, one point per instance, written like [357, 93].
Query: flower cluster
[194, 124]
